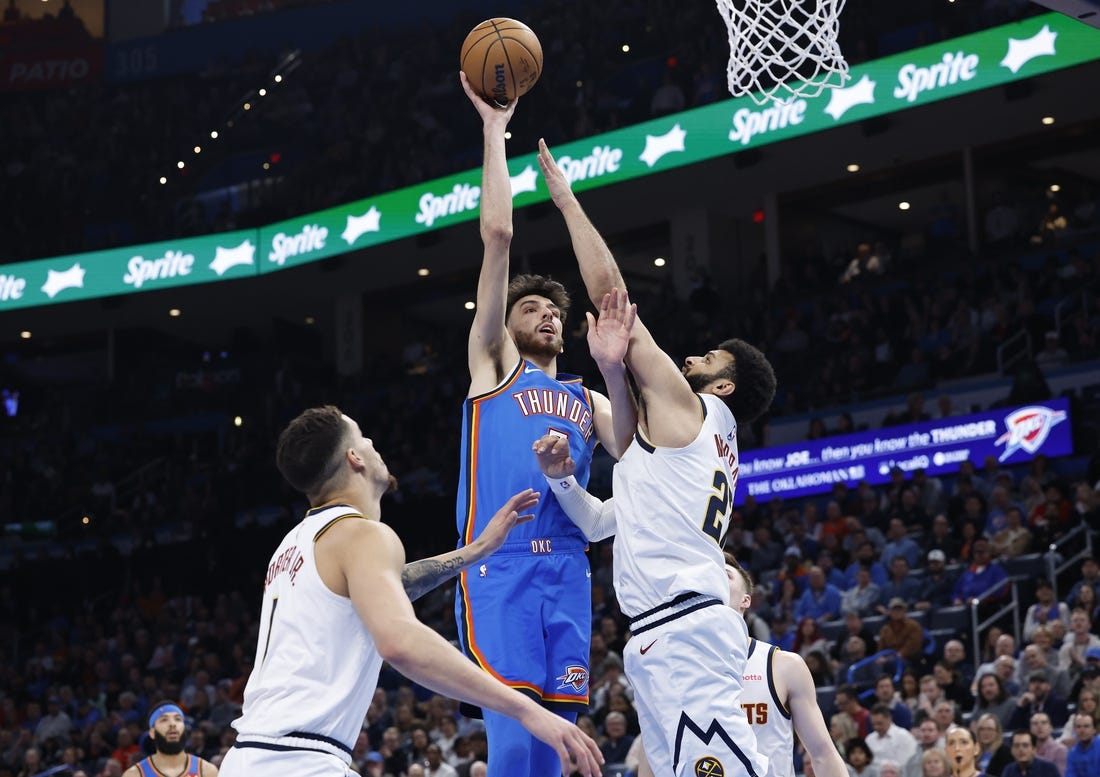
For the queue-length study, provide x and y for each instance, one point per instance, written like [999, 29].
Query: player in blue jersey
[166, 728]
[524, 615]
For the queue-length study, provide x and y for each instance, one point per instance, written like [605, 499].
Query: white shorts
[252, 761]
[687, 677]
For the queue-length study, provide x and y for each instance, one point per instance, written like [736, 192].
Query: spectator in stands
[865, 556]
[937, 586]
[1047, 746]
[993, 755]
[860, 759]
[930, 491]
[887, 739]
[898, 542]
[933, 763]
[1038, 698]
[1044, 610]
[901, 633]
[865, 264]
[767, 553]
[1024, 762]
[1089, 679]
[901, 585]
[1084, 759]
[951, 684]
[793, 568]
[1043, 638]
[808, 637]
[1033, 659]
[862, 598]
[886, 695]
[1090, 576]
[1014, 539]
[616, 742]
[984, 578]
[842, 729]
[1052, 225]
[853, 627]
[1002, 645]
[854, 671]
[954, 653]
[1078, 641]
[992, 698]
[820, 600]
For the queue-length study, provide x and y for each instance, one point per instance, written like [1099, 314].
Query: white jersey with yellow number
[767, 713]
[672, 506]
[316, 664]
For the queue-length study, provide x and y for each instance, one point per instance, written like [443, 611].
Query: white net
[782, 49]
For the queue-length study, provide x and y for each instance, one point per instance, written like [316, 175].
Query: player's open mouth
[547, 329]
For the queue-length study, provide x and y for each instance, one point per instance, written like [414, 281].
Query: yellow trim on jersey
[328, 525]
[771, 682]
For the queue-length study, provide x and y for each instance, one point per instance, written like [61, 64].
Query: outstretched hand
[507, 518]
[556, 182]
[552, 452]
[491, 113]
[577, 751]
[609, 335]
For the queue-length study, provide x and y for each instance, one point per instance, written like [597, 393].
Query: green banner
[938, 72]
[126, 270]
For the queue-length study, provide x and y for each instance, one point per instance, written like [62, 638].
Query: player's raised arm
[491, 350]
[598, 267]
[369, 556]
[658, 378]
[422, 576]
[809, 725]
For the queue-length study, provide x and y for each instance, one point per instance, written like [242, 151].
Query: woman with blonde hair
[842, 729]
[993, 755]
[934, 763]
[1088, 703]
[962, 752]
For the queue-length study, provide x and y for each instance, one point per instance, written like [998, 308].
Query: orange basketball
[502, 59]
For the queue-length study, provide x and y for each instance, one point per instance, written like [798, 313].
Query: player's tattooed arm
[419, 577]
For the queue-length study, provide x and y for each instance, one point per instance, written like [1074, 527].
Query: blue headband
[164, 709]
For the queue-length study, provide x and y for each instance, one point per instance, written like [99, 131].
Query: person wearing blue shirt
[899, 543]
[1024, 763]
[1084, 759]
[865, 554]
[981, 576]
[820, 600]
[901, 585]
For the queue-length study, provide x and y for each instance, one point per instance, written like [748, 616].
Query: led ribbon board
[917, 77]
[1011, 435]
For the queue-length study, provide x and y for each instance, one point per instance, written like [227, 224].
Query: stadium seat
[955, 619]
[833, 630]
[1030, 566]
[826, 698]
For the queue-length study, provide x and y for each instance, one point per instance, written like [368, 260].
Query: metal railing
[1013, 350]
[1011, 603]
[1054, 553]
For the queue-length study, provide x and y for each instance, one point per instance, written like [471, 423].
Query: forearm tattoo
[419, 577]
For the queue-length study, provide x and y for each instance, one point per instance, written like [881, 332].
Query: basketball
[502, 59]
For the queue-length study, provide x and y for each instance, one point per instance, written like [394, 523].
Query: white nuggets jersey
[316, 665]
[671, 510]
[768, 715]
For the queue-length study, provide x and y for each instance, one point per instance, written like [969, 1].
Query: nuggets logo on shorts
[575, 676]
[709, 767]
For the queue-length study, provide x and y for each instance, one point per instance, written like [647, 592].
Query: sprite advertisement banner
[1014, 435]
[943, 70]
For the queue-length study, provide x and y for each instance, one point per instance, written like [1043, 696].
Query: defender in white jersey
[673, 492]
[336, 604]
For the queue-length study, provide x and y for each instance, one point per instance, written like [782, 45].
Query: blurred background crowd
[139, 514]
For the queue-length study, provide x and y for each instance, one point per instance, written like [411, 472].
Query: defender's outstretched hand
[609, 335]
[490, 113]
[556, 181]
[552, 452]
[506, 518]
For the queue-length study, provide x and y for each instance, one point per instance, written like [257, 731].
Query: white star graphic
[842, 100]
[656, 146]
[56, 282]
[527, 181]
[225, 258]
[1020, 52]
[358, 226]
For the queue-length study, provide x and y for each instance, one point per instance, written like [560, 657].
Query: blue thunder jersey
[193, 768]
[498, 430]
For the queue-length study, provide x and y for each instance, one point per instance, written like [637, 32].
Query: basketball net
[783, 49]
